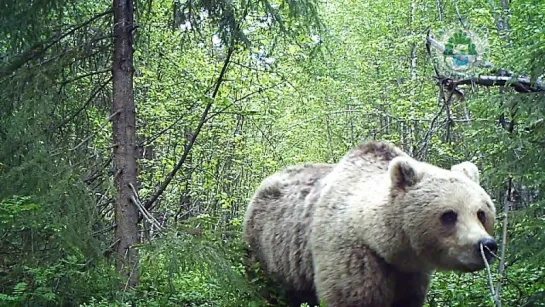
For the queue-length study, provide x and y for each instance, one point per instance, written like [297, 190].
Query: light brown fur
[368, 230]
[467, 168]
[276, 227]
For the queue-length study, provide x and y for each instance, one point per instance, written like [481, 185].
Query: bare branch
[521, 84]
[460, 18]
[424, 146]
[508, 201]
[158, 134]
[89, 74]
[261, 90]
[104, 230]
[439, 9]
[495, 298]
[145, 213]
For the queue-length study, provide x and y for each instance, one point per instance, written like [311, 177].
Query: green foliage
[39, 263]
[451, 289]
[183, 269]
[527, 35]
[305, 82]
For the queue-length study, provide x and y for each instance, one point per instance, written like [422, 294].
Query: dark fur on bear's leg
[411, 289]
[296, 298]
[251, 274]
[273, 291]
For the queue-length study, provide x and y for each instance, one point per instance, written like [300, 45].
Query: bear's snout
[490, 247]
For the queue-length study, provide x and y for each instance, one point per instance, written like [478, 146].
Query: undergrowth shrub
[36, 268]
[190, 265]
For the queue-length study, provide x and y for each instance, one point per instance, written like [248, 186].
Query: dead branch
[508, 201]
[520, 84]
[114, 244]
[495, 297]
[424, 146]
[259, 91]
[98, 172]
[160, 133]
[89, 74]
[105, 229]
[439, 9]
[145, 213]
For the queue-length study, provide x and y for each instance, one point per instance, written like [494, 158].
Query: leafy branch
[204, 118]
[38, 49]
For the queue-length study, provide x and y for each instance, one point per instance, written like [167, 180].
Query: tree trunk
[124, 144]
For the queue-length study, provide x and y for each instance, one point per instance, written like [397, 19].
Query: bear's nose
[489, 246]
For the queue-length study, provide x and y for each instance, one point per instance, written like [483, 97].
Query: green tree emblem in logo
[459, 51]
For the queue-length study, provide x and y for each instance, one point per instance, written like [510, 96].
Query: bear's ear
[468, 169]
[404, 172]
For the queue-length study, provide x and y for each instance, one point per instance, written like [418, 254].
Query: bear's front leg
[411, 289]
[353, 277]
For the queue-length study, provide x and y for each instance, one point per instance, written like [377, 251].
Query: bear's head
[446, 215]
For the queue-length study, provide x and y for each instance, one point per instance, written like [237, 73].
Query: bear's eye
[449, 218]
[482, 216]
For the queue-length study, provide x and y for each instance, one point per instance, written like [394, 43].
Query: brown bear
[370, 230]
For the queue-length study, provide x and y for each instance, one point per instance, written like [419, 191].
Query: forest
[135, 133]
